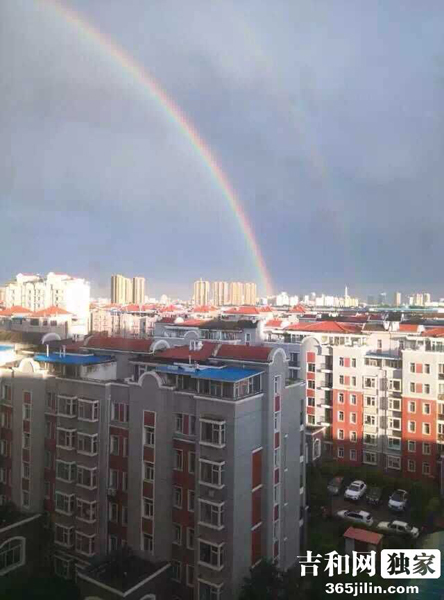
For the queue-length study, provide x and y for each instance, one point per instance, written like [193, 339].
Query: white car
[399, 527]
[355, 490]
[358, 516]
[398, 500]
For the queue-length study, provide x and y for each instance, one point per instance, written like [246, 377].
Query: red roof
[273, 323]
[170, 308]
[15, 310]
[408, 327]
[192, 322]
[326, 327]
[265, 309]
[362, 535]
[101, 342]
[167, 320]
[298, 309]
[204, 309]
[241, 352]
[434, 332]
[184, 352]
[51, 311]
[243, 310]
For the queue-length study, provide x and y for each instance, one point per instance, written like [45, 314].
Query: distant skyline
[327, 119]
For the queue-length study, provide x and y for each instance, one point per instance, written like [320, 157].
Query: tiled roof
[184, 352]
[298, 309]
[434, 332]
[265, 309]
[362, 535]
[101, 342]
[243, 310]
[274, 323]
[204, 309]
[51, 311]
[241, 352]
[409, 328]
[326, 327]
[15, 310]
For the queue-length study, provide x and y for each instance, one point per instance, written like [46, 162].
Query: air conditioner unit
[112, 492]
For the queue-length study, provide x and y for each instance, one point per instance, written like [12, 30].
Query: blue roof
[224, 374]
[4, 348]
[73, 359]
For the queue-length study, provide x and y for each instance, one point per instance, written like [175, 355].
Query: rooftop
[229, 374]
[73, 359]
[244, 353]
[326, 327]
[102, 342]
[362, 535]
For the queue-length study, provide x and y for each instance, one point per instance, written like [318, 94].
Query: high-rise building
[236, 293]
[175, 477]
[138, 290]
[59, 290]
[121, 289]
[427, 298]
[397, 299]
[250, 294]
[201, 294]
[220, 293]
[382, 298]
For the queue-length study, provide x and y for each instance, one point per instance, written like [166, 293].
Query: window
[64, 503]
[113, 512]
[341, 361]
[48, 459]
[394, 404]
[353, 436]
[190, 575]
[370, 401]
[426, 410]
[427, 369]
[394, 462]
[411, 446]
[426, 468]
[370, 439]
[310, 402]
[85, 544]
[369, 382]
[25, 499]
[340, 434]
[411, 407]
[147, 543]
[277, 458]
[277, 420]
[353, 399]
[341, 416]
[62, 567]
[114, 445]
[149, 436]
[65, 471]
[426, 429]
[178, 460]
[192, 425]
[176, 570]
[426, 448]
[4, 448]
[412, 368]
[87, 444]
[369, 458]
[177, 496]
[26, 412]
[341, 379]
[341, 452]
[411, 466]
[341, 398]
[211, 555]
[277, 494]
[370, 420]
[64, 535]
[311, 420]
[208, 591]
[352, 454]
[277, 384]
[412, 387]
[26, 440]
[311, 384]
[86, 511]
[124, 481]
[353, 363]
[311, 367]
[179, 423]
[7, 393]
[125, 447]
[190, 538]
[394, 424]
[191, 500]
[191, 462]
[177, 534]
[212, 433]
[88, 410]
[411, 426]
[211, 514]
[354, 381]
[394, 443]
[148, 508]
[66, 438]
[427, 388]
[124, 515]
[119, 412]
[353, 418]
[87, 477]
[113, 479]
[212, 473]
[148, 471]
[67, 406]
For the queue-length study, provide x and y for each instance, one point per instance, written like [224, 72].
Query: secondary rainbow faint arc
[141, 75]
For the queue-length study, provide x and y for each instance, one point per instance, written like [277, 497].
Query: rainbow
[175, 114]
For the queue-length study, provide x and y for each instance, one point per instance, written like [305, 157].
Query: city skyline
[303, 182]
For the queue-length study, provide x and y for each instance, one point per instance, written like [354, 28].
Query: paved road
[379, 513]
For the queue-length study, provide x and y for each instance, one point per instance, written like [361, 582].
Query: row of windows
[392, 462]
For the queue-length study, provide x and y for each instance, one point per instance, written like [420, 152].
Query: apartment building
[195, 461]
[201, 292]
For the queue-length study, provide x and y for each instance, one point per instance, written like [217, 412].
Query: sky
[326, 117]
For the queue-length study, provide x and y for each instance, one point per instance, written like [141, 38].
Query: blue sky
[326, 116]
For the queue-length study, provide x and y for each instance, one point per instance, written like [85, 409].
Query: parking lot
[379, 513]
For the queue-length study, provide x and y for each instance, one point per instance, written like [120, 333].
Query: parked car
[336, 485]
[358, 516]
[374, 496]
[399, 527]
[355, 490]
[398, 500]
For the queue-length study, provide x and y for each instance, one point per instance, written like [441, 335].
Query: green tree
[265, 582]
